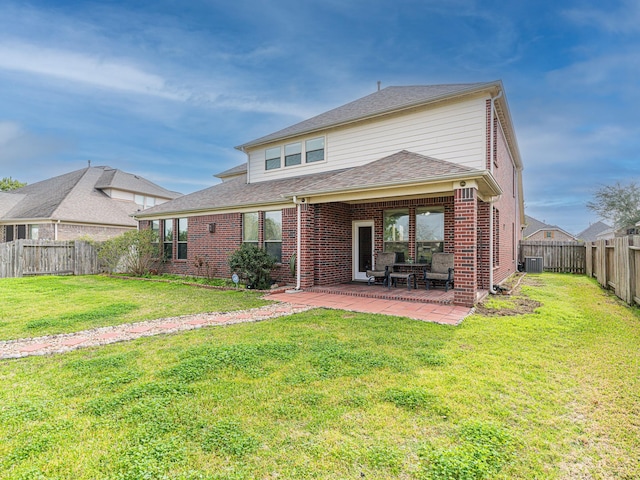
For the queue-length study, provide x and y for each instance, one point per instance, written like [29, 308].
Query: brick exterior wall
[507, 227]
[74, 232]
[326, 242]
[507, 232]
[66, 232]
[465, 258]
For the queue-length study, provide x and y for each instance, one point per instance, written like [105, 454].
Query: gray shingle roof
[75, 197]
[590, 234]
[235, 192]
[114, 178]
[232, 172]
[384, 101]
[397, 169]
[534, 225]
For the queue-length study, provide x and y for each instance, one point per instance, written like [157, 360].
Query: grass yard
[552, 393]
[32, 307]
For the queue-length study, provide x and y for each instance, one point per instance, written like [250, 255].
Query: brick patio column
[465, 246]
[307, 247]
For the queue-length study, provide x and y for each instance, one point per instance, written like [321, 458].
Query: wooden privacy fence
[560, 257]
[615, 264]
[46, 257]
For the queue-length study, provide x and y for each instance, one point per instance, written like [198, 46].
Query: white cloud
[610, 72]
[100, 72]
[18, 145]
[623, 20]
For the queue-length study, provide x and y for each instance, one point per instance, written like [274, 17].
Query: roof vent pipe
[379, 83]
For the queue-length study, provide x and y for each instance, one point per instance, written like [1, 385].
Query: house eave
[248, 207]
[491, 87]
[446, 184]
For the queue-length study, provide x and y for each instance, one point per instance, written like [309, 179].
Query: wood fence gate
[46, 257]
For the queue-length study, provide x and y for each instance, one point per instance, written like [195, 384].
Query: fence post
[632, 270]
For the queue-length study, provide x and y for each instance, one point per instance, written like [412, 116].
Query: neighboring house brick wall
[97, 233]
[556, 236]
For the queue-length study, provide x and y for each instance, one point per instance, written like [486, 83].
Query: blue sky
[166, 89]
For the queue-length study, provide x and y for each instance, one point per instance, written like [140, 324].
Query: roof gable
[387, 100]
[119, 180]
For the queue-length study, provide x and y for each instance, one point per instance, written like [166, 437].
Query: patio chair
[441, 270]
[383, 266]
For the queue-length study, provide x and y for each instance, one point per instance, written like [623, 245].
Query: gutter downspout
[55, 230]
[298, 242]
[492, 290]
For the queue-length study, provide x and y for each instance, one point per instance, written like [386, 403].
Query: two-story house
[413, 169]
[93, 202]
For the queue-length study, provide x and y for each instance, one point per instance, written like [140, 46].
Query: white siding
[455, 132]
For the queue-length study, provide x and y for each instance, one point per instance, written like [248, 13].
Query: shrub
[253, 265]
[134, 252]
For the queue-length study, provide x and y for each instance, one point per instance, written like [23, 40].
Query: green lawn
[553, 393]
[32, 307]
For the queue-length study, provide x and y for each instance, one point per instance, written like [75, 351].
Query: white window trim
[303, 154]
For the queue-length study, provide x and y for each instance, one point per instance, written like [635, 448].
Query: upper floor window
[292, 154]
[143, 201]
[272, 158]
[311, 150]
[314, 150]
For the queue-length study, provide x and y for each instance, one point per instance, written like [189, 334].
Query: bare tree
[618, 203]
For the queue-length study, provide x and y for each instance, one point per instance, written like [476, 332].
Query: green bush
[253, 265]
[134, 252]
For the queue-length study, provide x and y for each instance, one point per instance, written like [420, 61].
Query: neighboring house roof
[389, 99]
[396, 169]
[591, 233]
[119, 180]
[75, 197]
[534, 226]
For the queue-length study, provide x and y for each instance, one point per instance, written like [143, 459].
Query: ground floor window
[182, 238]
[396, 233]
[429, 232]
[167, 239]
[250, 228]
[273, 234]
[427, 223]
[155, 228]
[267, 234]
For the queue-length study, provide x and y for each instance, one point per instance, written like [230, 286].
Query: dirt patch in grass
[513, 303]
